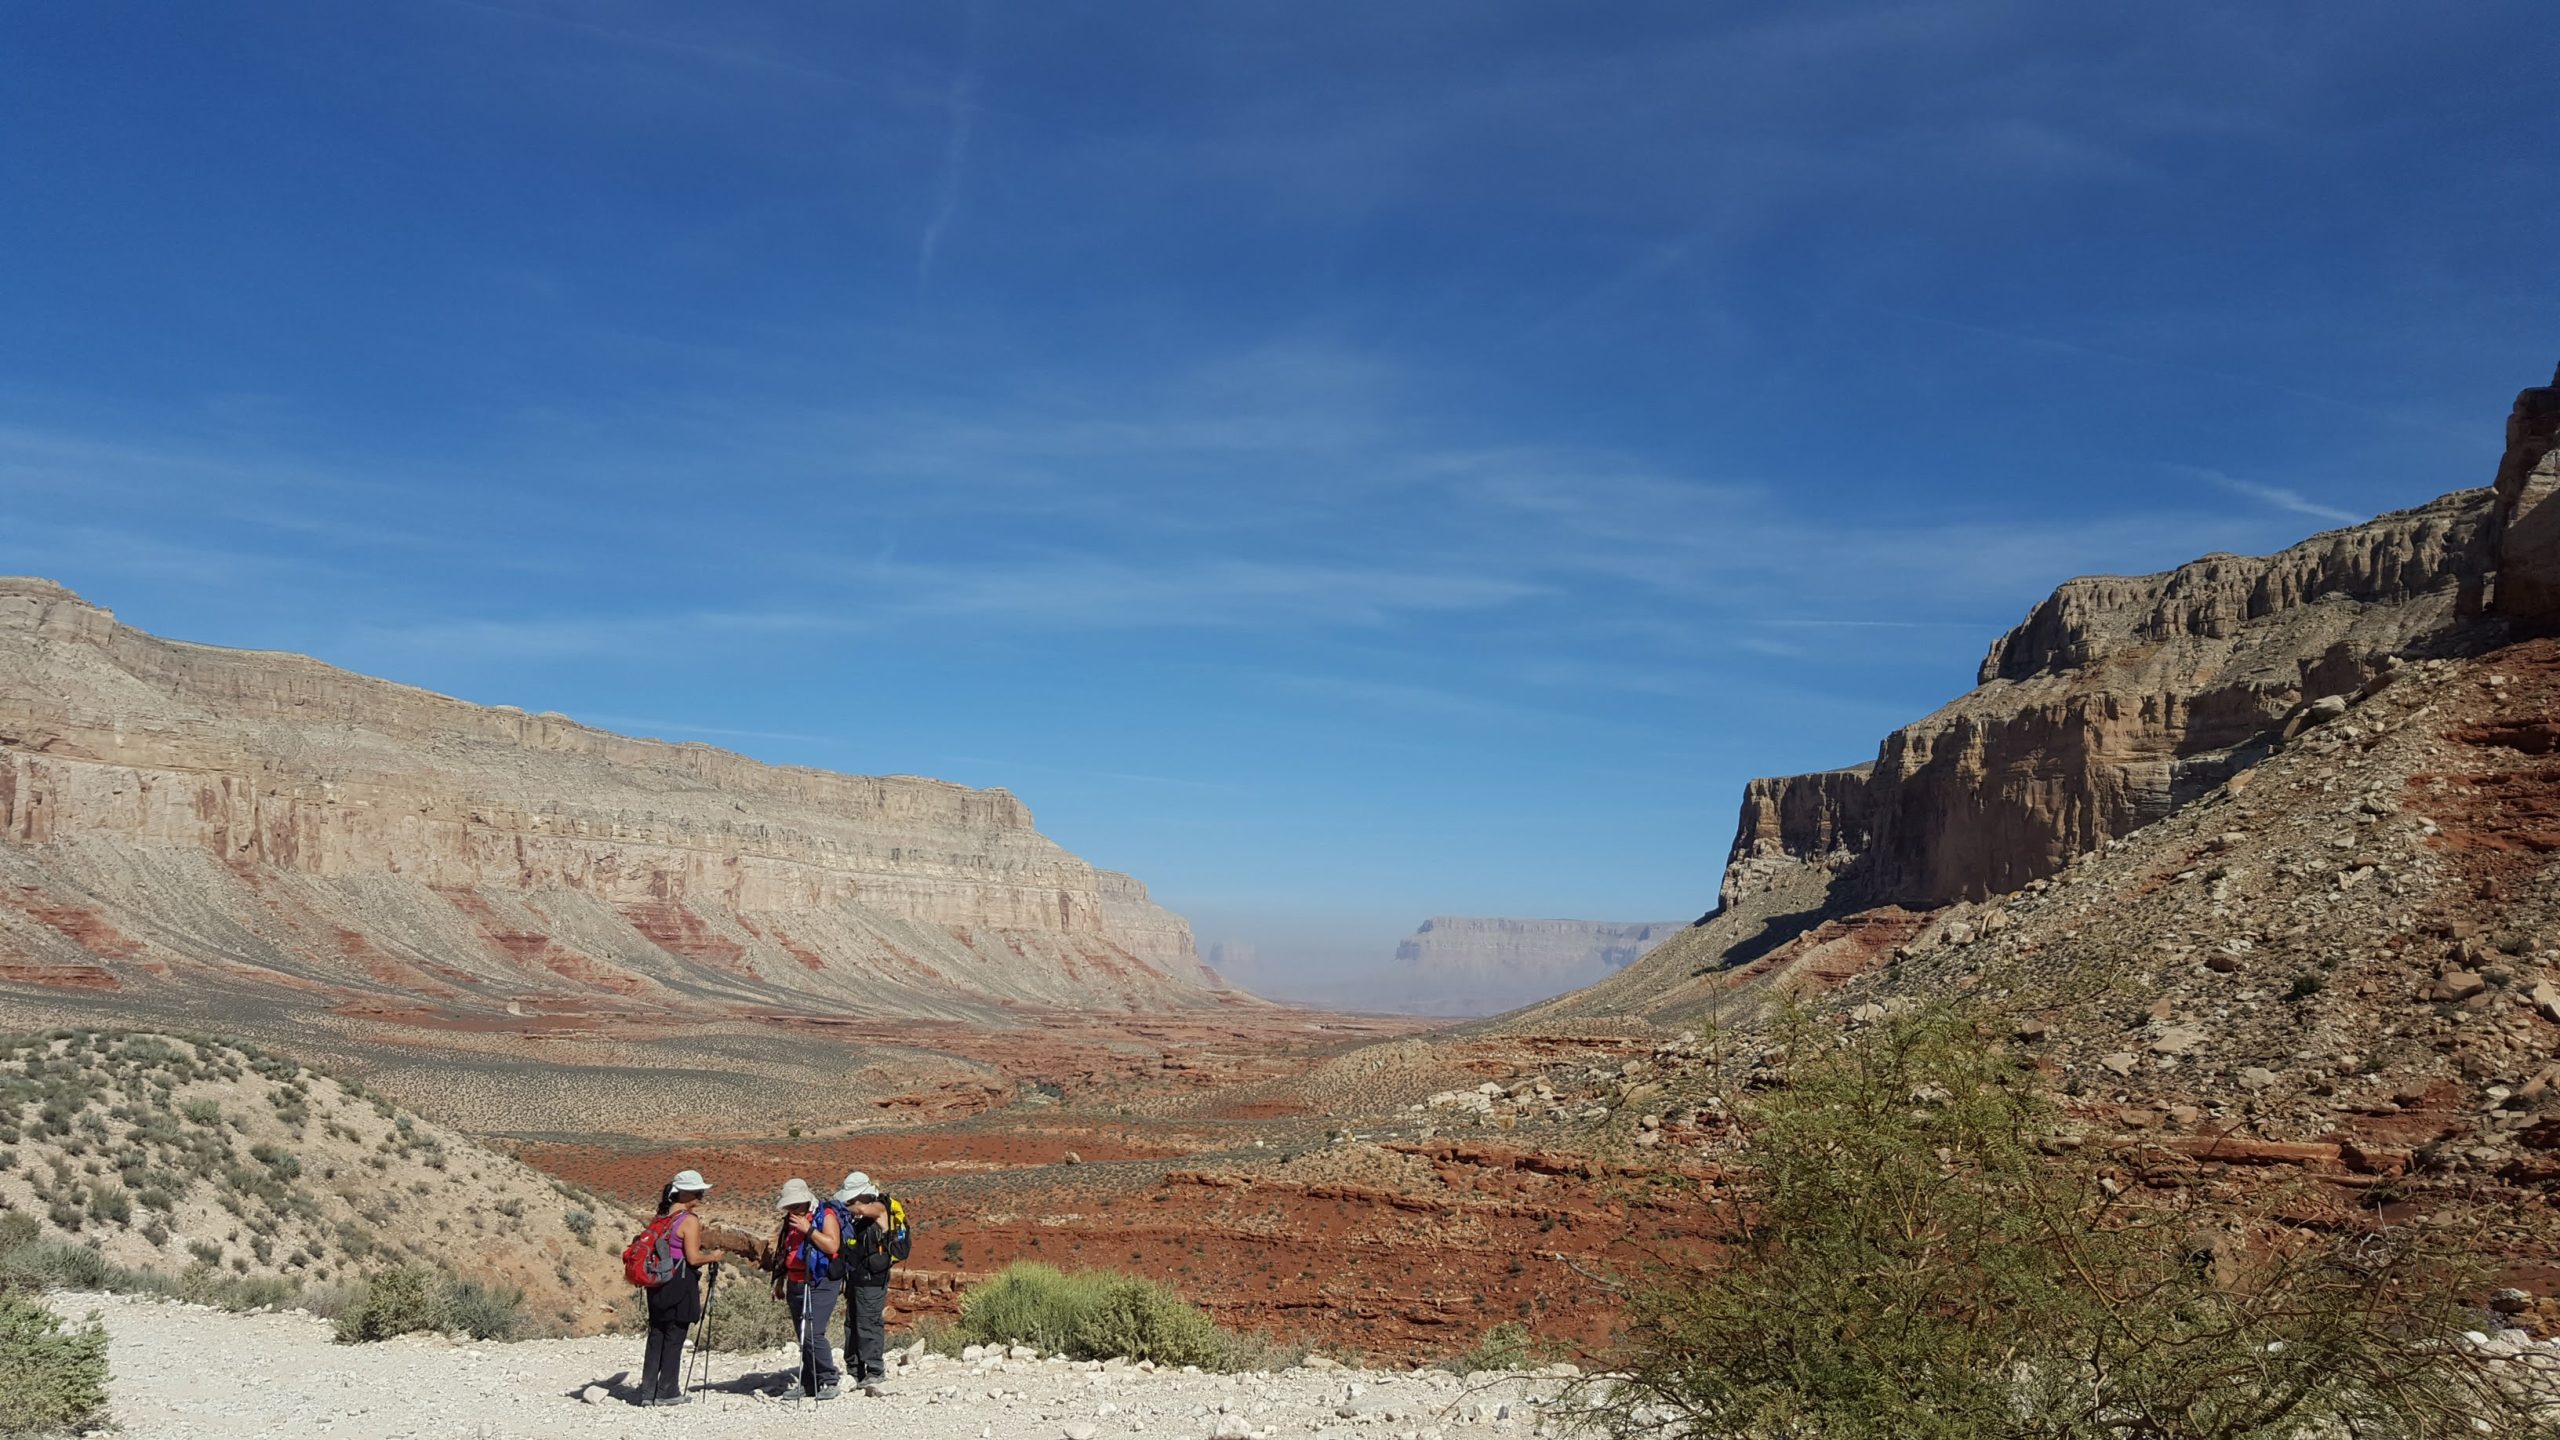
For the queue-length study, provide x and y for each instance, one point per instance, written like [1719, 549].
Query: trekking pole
[702, 1332]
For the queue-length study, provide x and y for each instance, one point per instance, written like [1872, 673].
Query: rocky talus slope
[182, 824]
[191, 1159]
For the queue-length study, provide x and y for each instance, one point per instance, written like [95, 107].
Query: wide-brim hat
[855, 1186]
[795, 1191]
[690, 1180]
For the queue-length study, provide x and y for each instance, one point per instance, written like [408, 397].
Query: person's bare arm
[697, 1246]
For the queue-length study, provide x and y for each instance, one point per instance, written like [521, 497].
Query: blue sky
[1341, 462]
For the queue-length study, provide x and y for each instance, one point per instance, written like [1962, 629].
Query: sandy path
[188, 1371]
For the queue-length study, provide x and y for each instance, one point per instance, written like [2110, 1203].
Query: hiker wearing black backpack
[666, 1259]
[879, 1242]
[811, 1278]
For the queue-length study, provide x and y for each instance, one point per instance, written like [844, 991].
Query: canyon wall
[175, 814]
[2118, 699]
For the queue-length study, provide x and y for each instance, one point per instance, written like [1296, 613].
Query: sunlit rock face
[178, 815]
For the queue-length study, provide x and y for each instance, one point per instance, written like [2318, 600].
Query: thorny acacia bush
[1916, 1252]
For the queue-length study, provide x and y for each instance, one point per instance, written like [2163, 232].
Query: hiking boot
[872, 1389]
[826, 1392]
[675, 1399]
[789, 1392]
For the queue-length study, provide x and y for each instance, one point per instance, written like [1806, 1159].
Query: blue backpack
[818, 1263]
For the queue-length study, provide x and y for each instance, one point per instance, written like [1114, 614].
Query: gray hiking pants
[866, 1333]
[813, 1310]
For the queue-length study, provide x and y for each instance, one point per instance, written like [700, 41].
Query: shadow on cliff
[1777, 930]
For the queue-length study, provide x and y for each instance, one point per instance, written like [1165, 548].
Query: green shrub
[581, 1223]
[410, 1299]
[57, 1376]
[1504, 1347]
[1027, 1304]
[1904, 1258]
[73, 1267]
[111, 1205]
[400, 1301]
[201, 1112]
[18, 1228]
[484, 1312]
[1142, 1320]
[1091, 1315]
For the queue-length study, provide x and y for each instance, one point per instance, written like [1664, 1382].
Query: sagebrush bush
[1092, 1315]
[405, 1300]
[1027, 1304]
[412, 1299]
[484, 1312]
[1910, 1254]
[55, 1375]
[54, 1262]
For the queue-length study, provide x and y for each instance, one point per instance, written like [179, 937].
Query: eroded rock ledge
[2119, 699]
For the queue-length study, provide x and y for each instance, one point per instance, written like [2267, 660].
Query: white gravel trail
[193, 1372]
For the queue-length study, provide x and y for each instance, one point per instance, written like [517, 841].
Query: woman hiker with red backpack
[811, 1280]
[668, 1257]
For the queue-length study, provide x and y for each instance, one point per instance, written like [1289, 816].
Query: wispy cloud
[1084, 593]
[2055, 346]
[567, 637]
[2277, 496]
[961, 106]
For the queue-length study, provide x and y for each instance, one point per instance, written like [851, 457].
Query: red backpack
[649, 1261]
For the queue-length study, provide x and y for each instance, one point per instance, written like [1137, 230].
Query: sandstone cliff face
[2119, 699]
[175, 814]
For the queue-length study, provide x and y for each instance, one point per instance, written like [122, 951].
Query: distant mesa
[196, 828]
[1470, 965]
[1463, 947]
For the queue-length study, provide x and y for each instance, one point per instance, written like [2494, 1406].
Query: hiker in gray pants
[811, 1280]
[875, 1247]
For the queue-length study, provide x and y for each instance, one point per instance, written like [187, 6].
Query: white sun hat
[689, 1180]
[795, 1191]
[855, 1184]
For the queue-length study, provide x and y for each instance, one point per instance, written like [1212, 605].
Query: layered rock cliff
[2117, 700]
[176, 815]
[2113, 704]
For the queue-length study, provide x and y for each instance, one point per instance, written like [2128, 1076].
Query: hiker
[879, 1241]
[810, 1279]
[676, 1303]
